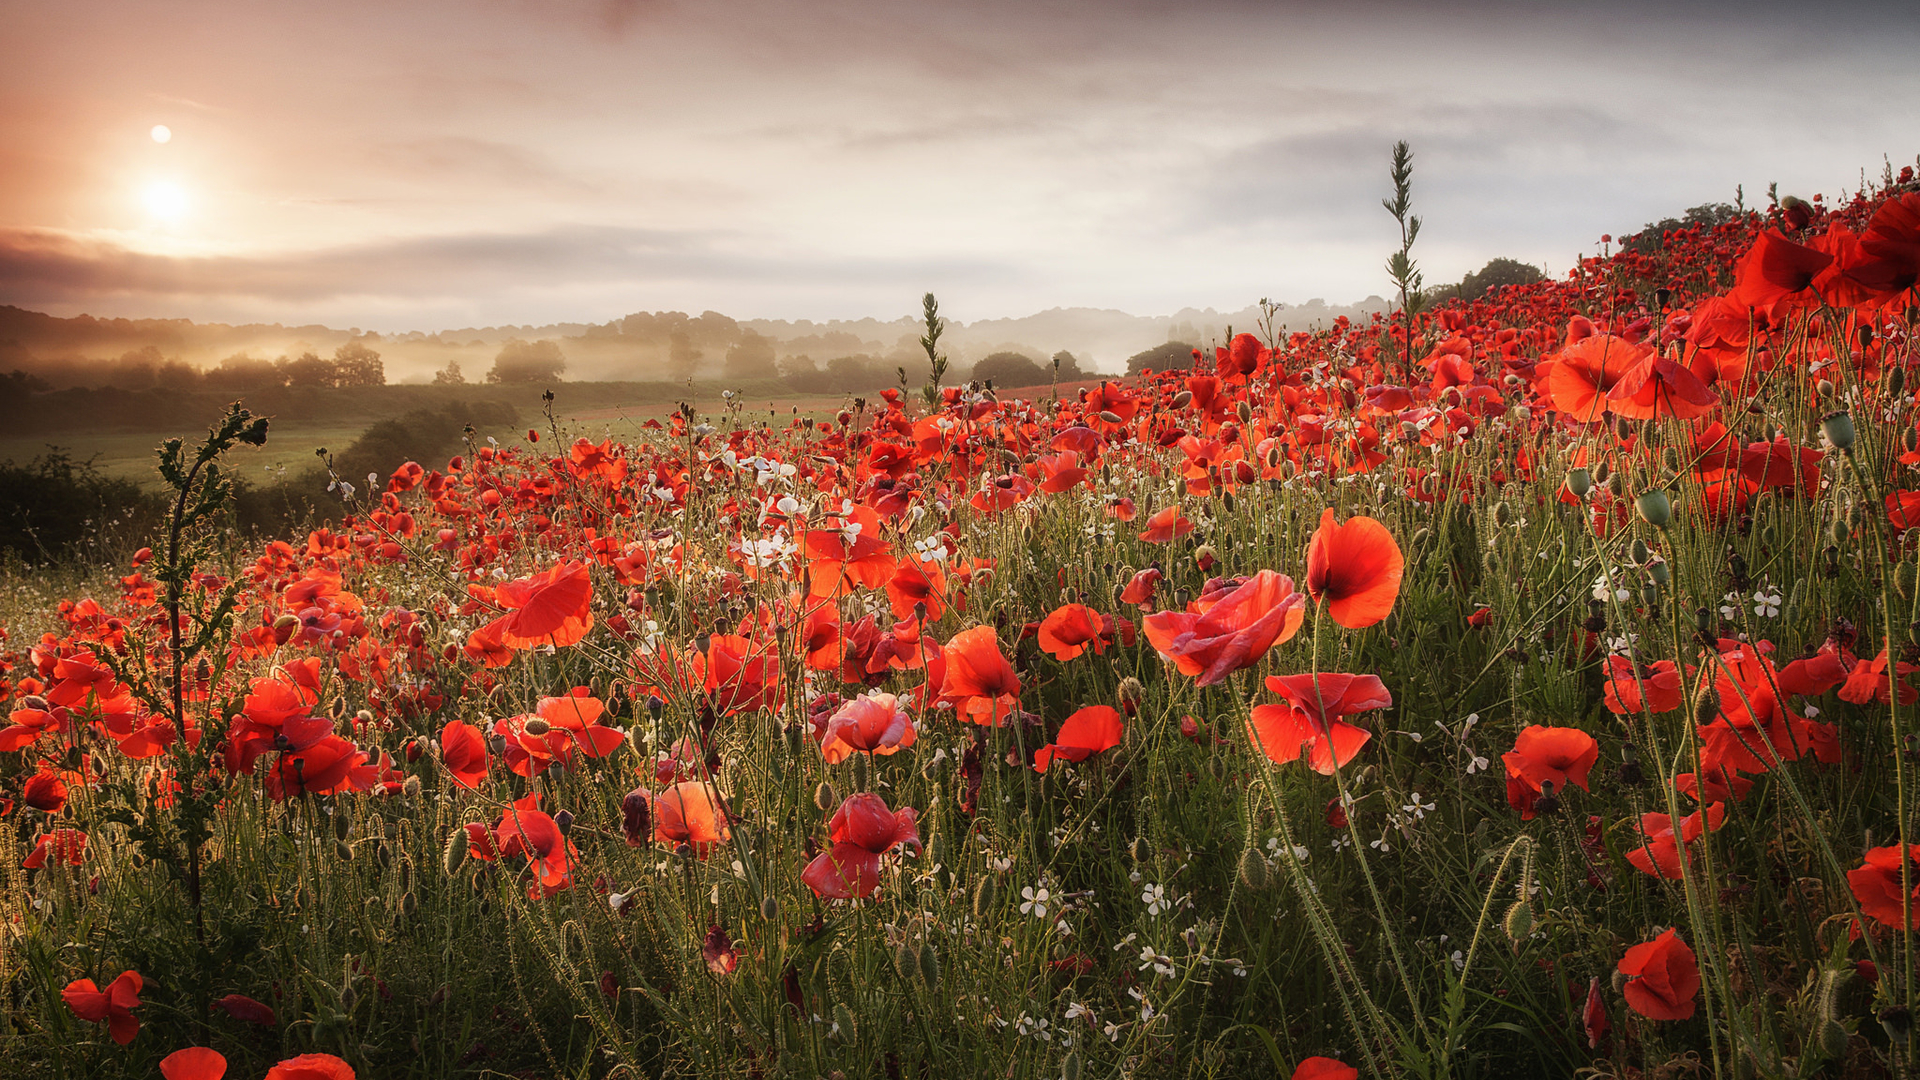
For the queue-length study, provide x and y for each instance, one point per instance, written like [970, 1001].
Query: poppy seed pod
[1579, 482]
[536, 726]
[1894, 382]
[1654, 508]
[1660, 573]
[1519, 922]
[1638, 552]
[1838, 427]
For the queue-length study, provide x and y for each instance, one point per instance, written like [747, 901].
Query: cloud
[58, 271]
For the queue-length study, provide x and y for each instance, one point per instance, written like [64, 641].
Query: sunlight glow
[161, 133]
[165, 200]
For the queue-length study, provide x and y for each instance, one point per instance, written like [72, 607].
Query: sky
[433, 163]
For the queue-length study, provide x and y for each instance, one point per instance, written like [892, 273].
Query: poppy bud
[1623, 428]
[1579, 482]
[1654, 508]
[1421, 536]
[1245, 412]
[456, 851]
[1619, 980]
[843, 1029]
[1838, 427]
[825, 798]
[859, 773]
[1502, 514]
[983, 898]
[1519, 922]
[1639, 553]
[1109, 417]
[1630, 774]
[1181, 400]
[1904, 577]
[1823, 388]
[929, 966]
[564, 820]
[1547, 802]
[1253, 870]
[1180, 487]
[342, 851]
[905, 963]
[769, 908]
[1601, 472]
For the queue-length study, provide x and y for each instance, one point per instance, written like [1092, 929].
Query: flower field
[1515, 687]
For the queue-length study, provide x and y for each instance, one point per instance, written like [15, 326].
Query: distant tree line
[352, 365]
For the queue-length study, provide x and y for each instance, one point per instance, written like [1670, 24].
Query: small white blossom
[1035, 902]
[1766, 603]
[1155, 897]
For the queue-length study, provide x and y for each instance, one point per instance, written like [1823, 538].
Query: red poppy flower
[1231, 626]
[115, 1005]
[464, 752]
[1071, 629]
[45, 791]
[862, 830]
[979, 682]
[247, 1011]
[1660, 855]
[743, 675]
[1663, 978]
[1547, 754]
[551, 608]
[1086, 733]
[1355, 568]
[61, 846]
[873, 724]
[1580, 376]
[311, 1067]
[691, 812]
[527, 831]
[1325, 1068]
[1777, 274]
[327, 767]
[718, 951]
[855, 555]
[1593, 1017]
[1140, 587]
[1310, 719]
[916, 583]
[193, 1063]
[1657, 388]
[1876, 884]
[1656, 689]
[1870, 681]
[1166, 525]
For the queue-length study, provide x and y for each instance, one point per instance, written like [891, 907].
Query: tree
[1169, 357]
[356, 365]
[1067, 366]
[528, 362]
[1010, 369]
[1497, 273]
[306, 370]
[682, 358]
[751, 357]
[450, 375]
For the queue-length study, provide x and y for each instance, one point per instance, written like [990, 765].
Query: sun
[165, 200]
[161, 133]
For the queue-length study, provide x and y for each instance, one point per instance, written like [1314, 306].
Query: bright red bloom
[464, 752]
[862, 830]
[1086, 733]
[1166, 525]
[1140, 587]
[1071, 629]
[1580, 377]
[1663, 978]
[979, 682]
[61, 846]
[742, 675]
[1656, 689]
[1310, 719]
[1657, 388]
[1870, 681]
[1660, 855]
[551, 608]
[874, 724]
[1593, 1017]
[328, 767]
[44, 790]
[1547, 755]
[1777, 274]
[311, 1067]
[1355, 568]
[527, 831]
[1231, 626]
[852, 556]
[1876, 884]
[115, 1005]
[691, 812]
[193, 1063]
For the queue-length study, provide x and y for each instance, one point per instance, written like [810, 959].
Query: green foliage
[1010, 369]
[58, 508]
[1172, 356]
[528, 362]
